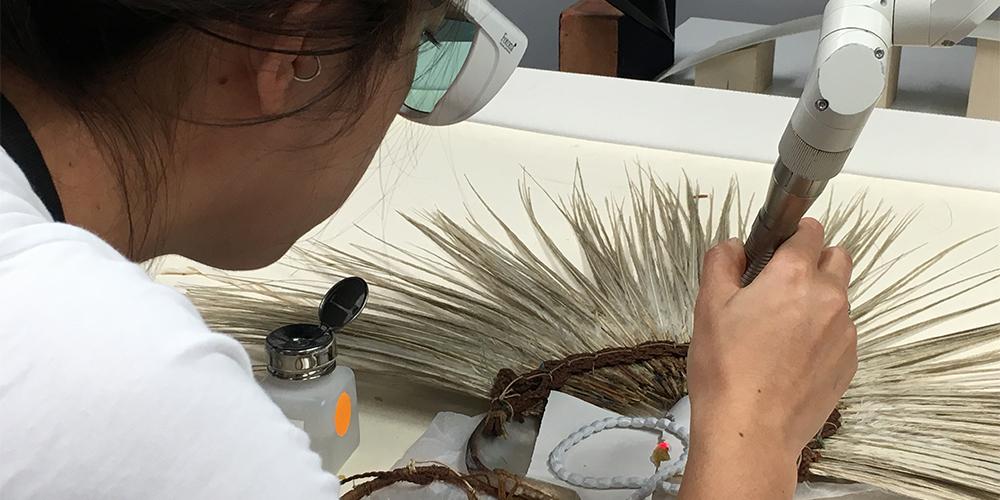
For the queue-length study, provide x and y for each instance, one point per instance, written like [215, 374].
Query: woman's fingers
[797, 258]
[805, 245]
[836, 262]
[787, 339]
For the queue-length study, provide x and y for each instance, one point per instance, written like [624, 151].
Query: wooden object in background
[984, 91]
[595, 38]
[750, 69]
[588, 38]
[892, 78]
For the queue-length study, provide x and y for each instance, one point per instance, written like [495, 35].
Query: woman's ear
[275, 74]
[276, 69]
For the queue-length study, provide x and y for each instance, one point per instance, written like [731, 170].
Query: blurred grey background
[539, 19]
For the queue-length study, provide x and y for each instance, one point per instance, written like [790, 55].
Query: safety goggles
[463, 64]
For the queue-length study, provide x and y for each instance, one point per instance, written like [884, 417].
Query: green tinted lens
[438, 64]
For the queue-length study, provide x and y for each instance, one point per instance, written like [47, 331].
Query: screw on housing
[822, 104]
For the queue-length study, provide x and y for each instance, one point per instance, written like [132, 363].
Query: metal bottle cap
[305, 352]
[301, 352]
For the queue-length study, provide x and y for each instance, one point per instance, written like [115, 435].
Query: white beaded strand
[644, 486]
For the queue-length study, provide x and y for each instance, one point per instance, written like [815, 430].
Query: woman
[223, 131]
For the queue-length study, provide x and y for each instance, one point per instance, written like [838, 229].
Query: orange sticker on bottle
[342, 414]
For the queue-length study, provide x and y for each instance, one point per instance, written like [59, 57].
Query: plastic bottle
[305, 381]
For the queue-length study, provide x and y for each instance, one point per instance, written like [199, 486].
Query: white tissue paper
[443, 443]
[613, 452]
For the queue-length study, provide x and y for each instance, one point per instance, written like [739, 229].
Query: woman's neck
[89, 186]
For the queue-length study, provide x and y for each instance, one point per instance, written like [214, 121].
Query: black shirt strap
[20, 145]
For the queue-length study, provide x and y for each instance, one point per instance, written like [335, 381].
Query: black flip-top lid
[305, 352]
[343, 303]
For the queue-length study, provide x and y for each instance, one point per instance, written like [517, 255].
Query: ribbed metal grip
[758, 253]
[788, 198]
[761, 245]
[808, 162]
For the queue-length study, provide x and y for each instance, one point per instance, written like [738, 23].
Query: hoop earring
[309, 78]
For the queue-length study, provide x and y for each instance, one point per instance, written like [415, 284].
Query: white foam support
[919, 147]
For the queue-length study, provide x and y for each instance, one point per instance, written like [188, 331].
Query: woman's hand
[767, 364]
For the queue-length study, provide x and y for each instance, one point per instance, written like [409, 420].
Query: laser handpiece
[848, 78]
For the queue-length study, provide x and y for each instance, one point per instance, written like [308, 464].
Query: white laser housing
[841, 90]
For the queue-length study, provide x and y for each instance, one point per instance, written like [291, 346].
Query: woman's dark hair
[84, 52]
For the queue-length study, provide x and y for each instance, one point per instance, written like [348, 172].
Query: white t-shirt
[112, 387]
